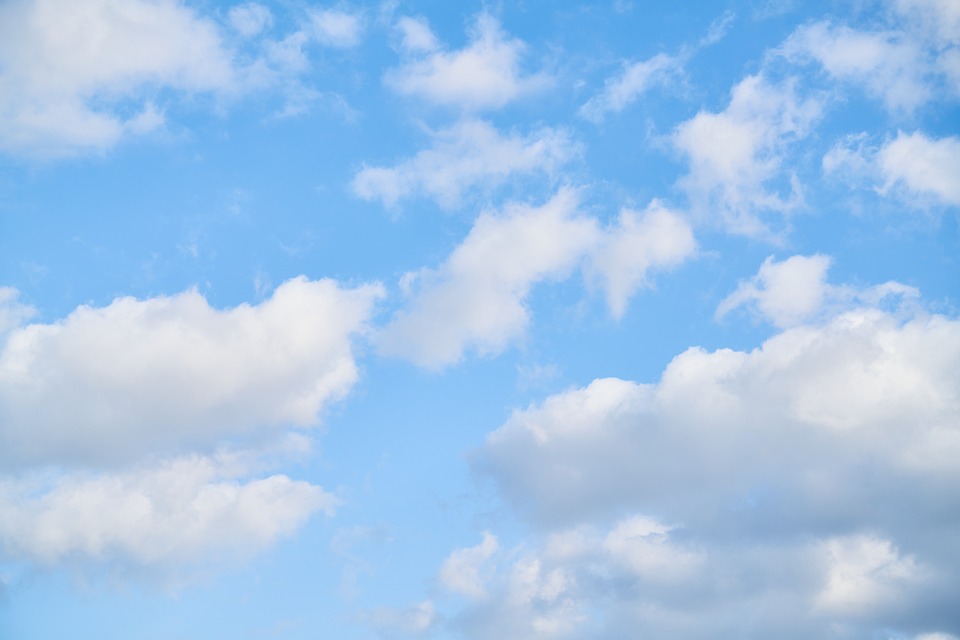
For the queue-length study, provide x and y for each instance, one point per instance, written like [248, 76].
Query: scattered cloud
[735, 154]
[636, 78]
[912, 167]
[475, 299]
[107, 384]
[637, 243]
[486, 74]
[470, 154]
[12, 312]
[186, 509]
[65, 92]
[461, 571]
[249, 19]
[334, 28]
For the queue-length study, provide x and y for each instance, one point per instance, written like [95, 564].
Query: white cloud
[812, 478]
[12, 313]
[187, 509]
[923, 166]
[639, 242]
[462, 571]
[786, 293]
[416, 619]
[71, 73]
[485, 74]
[416, 36]
[250, 18]
[893, 67]
[787, 419]
[470, 154]
[475, 299]
[636, 78]
[912, 167]
[734, 154]
[937, 18]
[140, 376]
[334, 28]
[865, 573]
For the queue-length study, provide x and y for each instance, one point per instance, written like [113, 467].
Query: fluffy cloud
[65, 91]
[922, 166]
[636, 78]
[469, 154]
[809, 483]
[484, 74]
[735, 153]
[461, 571]
[638, 243]
[120, 424]
[891, 66]
[912, 167]
[143, 376]
[475, 299]
[335, 28]
[184, 510]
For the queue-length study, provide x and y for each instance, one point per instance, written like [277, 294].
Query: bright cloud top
[485, 74]
[141, 376]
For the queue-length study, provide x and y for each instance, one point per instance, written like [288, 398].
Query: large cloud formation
[139, 431]
[806, 488]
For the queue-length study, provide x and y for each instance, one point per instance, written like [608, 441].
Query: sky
[425, 319]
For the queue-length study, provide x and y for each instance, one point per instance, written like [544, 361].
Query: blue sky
[479, 320]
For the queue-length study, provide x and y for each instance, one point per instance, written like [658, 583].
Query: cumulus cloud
[12, 312]
[637, 243]
[475, 299]
[461, 571]
[334, 28]
[138, 434]
[912, 167]
[183, 510]
[636, 78]
[250, 18]
[736, 153]
[802, 489]
[890, 65]
[64, 91]
[139, 376]
[485, 74]
[470, 154]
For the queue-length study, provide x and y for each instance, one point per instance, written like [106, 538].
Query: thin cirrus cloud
[486, 74]
[736, 155]
[636, 78]
[470, 154]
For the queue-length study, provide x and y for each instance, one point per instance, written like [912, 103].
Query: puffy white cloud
[141, 376]
[639, 242]
[912, 167]
[334, 28]
[187, 509]
[470, 154]
[923, 166]
[787, 293]
[416, 35]
[811, 483]
[733, 154]
[74, 76]
[889, 64]
[484, 74]
[475, 299]
[636, 78]
[461, 571]
[785, 419]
